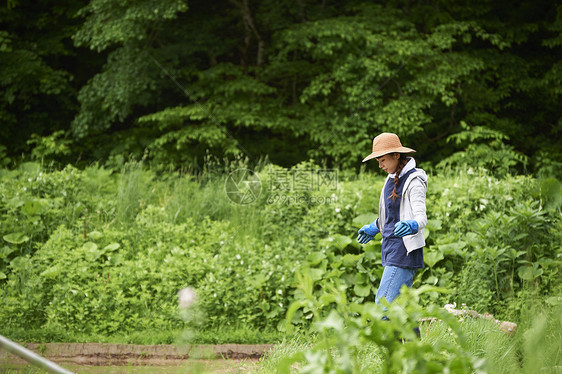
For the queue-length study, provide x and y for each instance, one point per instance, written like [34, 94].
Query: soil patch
[105, 354]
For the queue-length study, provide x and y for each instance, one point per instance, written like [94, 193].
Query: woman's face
[389, 162]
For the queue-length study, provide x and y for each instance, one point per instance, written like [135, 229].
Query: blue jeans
[393, 278]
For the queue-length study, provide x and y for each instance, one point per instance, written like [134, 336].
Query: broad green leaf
[115, 259]
[452, 248]
[112, 247]
[554, 300]
[5, 251]
[334, 273]
[361, 278]
[51, 272]
[90, 247]
[95, 235]
[315, 258]
[529, 272]
[315, 274]
[15, 202]
[16, 238]
[374, 246]
[91, 251]
[432, 280]
[350, 260]
[341, 241]
[32, 208]
[296, 305]
[432, 257]
[327, 298]
[272, 314]
[3, 276]
[362, 290]
[364, 219]
[434, 224]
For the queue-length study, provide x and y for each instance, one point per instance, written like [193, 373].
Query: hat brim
[387, 151]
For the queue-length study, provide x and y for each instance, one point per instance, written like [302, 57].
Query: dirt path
[187, 367]
[223, 358]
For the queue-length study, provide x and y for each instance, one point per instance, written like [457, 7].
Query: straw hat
[386, 143]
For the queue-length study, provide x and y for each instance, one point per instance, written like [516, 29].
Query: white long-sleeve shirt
[412, 205]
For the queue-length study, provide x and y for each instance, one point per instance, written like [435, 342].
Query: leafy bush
[351, 327]
[354, 338]
[102, 252]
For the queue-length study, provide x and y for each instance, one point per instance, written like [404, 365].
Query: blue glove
[403, 228]
[367, 233]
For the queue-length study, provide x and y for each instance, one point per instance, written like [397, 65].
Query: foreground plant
[347, 337]
[348, 328]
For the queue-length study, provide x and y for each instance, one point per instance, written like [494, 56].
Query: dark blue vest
[393, 249]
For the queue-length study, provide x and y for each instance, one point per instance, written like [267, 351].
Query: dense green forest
[177, 82]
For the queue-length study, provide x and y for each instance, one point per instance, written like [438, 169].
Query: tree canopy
[175, 81]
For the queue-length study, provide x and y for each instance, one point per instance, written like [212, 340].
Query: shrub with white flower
[191, 313]
[186, 297]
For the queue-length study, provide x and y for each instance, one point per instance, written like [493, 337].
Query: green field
[99, 255]
[180, 172]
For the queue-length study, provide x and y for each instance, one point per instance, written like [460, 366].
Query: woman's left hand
[407, 227]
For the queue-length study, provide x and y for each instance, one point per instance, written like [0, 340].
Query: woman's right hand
[367, 233]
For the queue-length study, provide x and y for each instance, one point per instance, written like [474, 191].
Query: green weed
[97, 252]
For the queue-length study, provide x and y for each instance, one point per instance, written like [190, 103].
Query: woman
[402, 215]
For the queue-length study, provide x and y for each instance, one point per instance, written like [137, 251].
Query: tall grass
[184, 197]
[370, 356]
[484, 340]
[536, 347]
[288, 347]
[133, 191]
